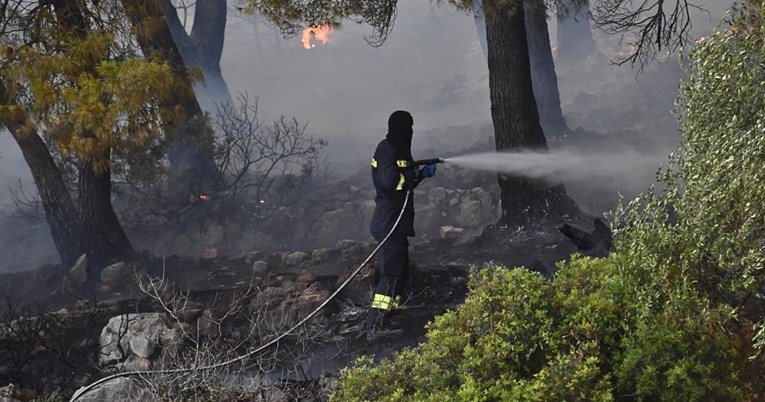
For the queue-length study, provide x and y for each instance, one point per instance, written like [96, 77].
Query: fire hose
[88, 388]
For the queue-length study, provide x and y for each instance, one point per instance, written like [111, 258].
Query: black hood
[400, 131]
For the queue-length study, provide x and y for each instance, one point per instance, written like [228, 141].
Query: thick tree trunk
[65, 228]
[575, 42]
[106, 238]
[543, 77]
[516, 119]
[203, 48]
[190, 143]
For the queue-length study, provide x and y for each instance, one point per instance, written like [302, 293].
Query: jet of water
[563, 164]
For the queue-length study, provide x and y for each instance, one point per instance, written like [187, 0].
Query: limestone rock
[345, 243]
[323, 254]
[79, 271]
[448, 232]
[133, 334]
[115, 273]
[437, 195]
[8, 393]
[260, 267]
[295, 258]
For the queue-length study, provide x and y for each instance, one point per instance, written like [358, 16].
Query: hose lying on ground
[82, 391]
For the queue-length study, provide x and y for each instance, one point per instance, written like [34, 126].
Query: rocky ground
[151, 313]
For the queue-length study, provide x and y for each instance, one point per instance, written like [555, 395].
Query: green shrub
[586, 335]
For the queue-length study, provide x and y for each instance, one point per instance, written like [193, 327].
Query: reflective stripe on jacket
[391, 176]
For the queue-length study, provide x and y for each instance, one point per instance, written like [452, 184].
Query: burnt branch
[649, 27]
[44, 349]
[26, 206]
[270, 164]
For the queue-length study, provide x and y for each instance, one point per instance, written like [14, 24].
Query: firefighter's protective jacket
[392, 175]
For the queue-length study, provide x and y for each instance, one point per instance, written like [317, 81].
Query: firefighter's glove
[428, 170]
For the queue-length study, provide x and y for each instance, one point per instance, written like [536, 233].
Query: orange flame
[320, 33]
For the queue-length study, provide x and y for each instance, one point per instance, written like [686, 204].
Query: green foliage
[587, 335]
[89, 91]
[667, 317]
[709, 224]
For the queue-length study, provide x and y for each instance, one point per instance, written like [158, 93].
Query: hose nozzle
[427, 161]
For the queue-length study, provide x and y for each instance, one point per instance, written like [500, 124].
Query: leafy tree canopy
[90, 92]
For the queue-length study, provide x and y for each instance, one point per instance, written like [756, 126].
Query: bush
[667, 317]
[586, 335]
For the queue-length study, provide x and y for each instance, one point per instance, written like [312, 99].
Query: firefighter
[392, 175]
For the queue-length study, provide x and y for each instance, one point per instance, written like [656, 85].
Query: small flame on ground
[204, 197]
[320, 33]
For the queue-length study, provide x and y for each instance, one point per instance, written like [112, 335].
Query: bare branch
[649, 27]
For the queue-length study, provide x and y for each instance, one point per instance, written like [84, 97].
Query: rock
[295, 258]
[436, 195]
[8, 393]
[469, 214]
[210, 254]
[133, 334]
[115, 273]
[598, 243]
[322, 254]
[260, 267]
[79, 271]
[448, 232]
[345, 243]
[118, 389]
[476, 208]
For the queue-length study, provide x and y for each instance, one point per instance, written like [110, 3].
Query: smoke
[432, 65]
[564, 165]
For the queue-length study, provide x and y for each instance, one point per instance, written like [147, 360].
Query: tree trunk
[190, 142]
[203, 48]
[106, 238]
[65, 228]
[516, 119]
[575, 42]
[543, 77]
